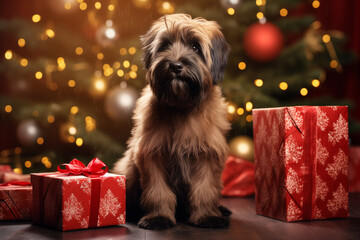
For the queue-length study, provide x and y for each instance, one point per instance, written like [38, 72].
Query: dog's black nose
[176, 67]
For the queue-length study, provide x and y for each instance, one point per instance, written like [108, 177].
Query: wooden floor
[244, 224]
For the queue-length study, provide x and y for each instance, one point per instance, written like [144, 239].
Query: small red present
[68, 200]
[354, 169]
[238, 178]
[4, 169]
[15, 201]
[301, 162]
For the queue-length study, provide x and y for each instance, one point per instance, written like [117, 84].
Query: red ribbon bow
[95, 168]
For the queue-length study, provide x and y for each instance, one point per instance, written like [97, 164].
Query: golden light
[231, 109]
[116, 65]
[242, 147]
[8, 54]
[40, 140]
[97, 5]
[74, 110]
[36, 18]
[126, 64]
[100, 84]
[134, 68]
[242, 65]
[240, 111]
[79, 51]
[61, 63]
[111, 7]
[303, 92]
[67, 5]
[27, 164]
[167, 7]
[248, 106]
[48, 164]
[249, 118]
[35, 113]
[108, 72]
[72, 130]
[132, 51]
[90, 123]
[106, 66]
[53, 86]
[333, 64]
[21, 42]
[17, 170]
[50, 33]
[123, 51]
[326, 38]
[38, 75]
[100, 56]
[316, 4]
[24, 62]
[259, 15]
[71, 83]
[260, 2]
[79, 142]
[258, 82]
[127, 76]
[283, 86]
[8, 108]
[132, 74]
[283, 12]
[120, 73]
[17, 150]
[71, 139]
[51, 119]
[44, 160]
[231, 11]
[315, 83]
[83, 6]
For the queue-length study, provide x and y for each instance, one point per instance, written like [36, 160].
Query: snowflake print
[85, 222]
[340, 130]
[72, 208]
[293, 182]
[340, 164]
[109, 204]
[293, 152]
[293, 211]
[121, 182]
[321, 152]
[340, 200]
[292, 116]
[334, 108]
[86, 186]
[317, 213]
[121, 219]
[322, 119]
[321, 189]
[261, 135]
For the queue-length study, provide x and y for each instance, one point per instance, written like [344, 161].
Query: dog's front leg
[205, 197]
[157, 199]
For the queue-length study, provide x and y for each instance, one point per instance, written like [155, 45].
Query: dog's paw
[225, 211]
[213, 222]
[155, 223]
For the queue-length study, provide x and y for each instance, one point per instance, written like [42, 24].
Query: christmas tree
[72, 70]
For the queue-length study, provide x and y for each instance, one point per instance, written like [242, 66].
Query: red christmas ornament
[263, 42]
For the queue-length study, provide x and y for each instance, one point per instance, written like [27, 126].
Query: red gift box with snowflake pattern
[301, 162]
[69, 202]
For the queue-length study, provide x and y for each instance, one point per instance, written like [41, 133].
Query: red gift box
[301, 162]
[354, 169]
[68, 202]
[15, 201]
[238, 178]
[4, 169]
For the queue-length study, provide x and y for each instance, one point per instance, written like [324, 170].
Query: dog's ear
[219, 54]
[146, 41]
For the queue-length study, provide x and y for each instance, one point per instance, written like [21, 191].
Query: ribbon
[15, 183]
[95, 168]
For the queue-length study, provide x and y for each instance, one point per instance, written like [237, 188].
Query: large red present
[301, 162]
[15, 201]
[66, 201]
[354, 169]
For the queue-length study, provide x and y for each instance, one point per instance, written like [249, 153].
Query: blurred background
[71, 71]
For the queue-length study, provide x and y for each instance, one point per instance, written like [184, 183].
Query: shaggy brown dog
[177, 150]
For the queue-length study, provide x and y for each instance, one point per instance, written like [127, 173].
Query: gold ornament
[242, 147]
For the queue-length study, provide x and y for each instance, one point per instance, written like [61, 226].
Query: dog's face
[184, 57]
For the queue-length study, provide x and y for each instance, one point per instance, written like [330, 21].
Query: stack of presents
[304, 170]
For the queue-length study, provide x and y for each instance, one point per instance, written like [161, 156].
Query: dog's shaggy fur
[177, 150]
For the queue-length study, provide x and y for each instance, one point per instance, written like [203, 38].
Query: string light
[27, 164]
[132, 50]
[248, 106]
[48, 164]
[40, 140]
[83, 6]
[303, 92]
[72, 130]
[134, 67]
[79, 142]
[231, 108]
[258, 82]
[167, 8]
[21, 42]
[231, 11]
[260, 15]
[100, 85]
[44, 160]
[315, 83]
[120, 73]
[8, 108]
[8, 54]
[333, 64]
[74, 110]
[240, 111]
[116, 65]
[90, 123]
[38, 75]
[71, 83]
[132, 74]
[111, 7]
[126, 64]
[50, 33]
[100, 56]
[36, 18]
[242, 65]
[97, 5]
[61, 63]
[260, 2]
[316, 4]
[123, 51]
[79, 51]
[283, 12]
[24, 62]
[283, 86]
[326, 38]
[51, 119]
[249, 118]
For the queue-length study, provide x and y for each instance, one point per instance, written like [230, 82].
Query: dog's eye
[164, 46]
[195, 47]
